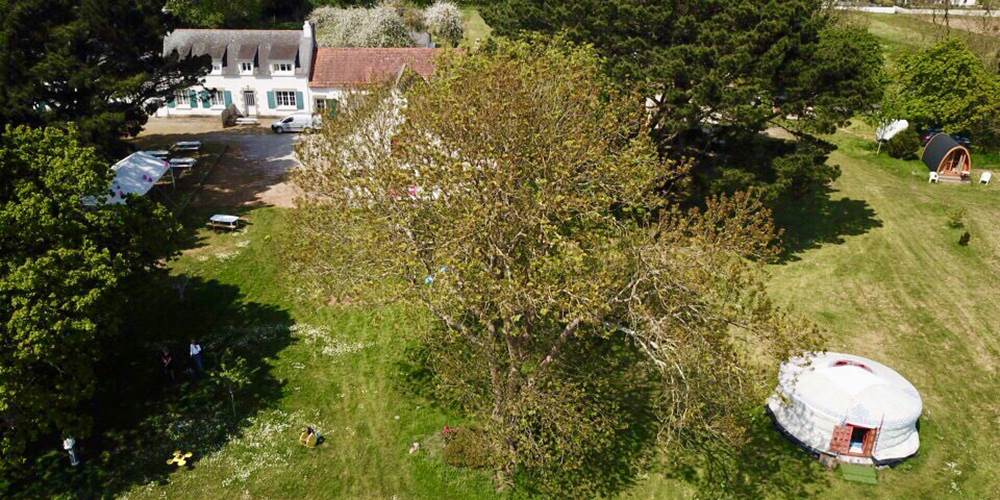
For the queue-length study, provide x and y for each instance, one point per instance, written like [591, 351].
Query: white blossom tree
[359, 27]
[444, 21]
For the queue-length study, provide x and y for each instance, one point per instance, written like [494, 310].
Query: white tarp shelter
[890, 130]
[135, 174]
[847, 406]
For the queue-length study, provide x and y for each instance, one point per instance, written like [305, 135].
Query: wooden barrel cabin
[948, 158]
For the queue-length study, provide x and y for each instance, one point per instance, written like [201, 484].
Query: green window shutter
[229, 98]
[331, 106]
[206, 100]
[171, 103]
[300, 102]
[270, 100]
[193, 99]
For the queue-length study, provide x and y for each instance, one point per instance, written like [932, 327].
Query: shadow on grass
[605, 409]
[141, 416]
[768, 465]
[819, 220]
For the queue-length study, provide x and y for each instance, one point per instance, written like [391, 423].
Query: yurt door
[840, 443]
[869, 442]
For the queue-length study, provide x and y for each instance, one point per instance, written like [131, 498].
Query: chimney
[307, 30]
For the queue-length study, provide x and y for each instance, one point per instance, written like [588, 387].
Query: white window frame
[218, 98]
[216, 68]
[182, 98]
[282, 68]
[285, 99]
[246, 68]
[319, 105]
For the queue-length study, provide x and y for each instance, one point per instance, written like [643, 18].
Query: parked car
[296, 123]
[926, 136]
[961, 139]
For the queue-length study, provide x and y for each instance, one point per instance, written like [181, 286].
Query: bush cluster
[904, 145]
[444, 21]
[465, 447]
[357, 27]
[387, 25]
[956, 218]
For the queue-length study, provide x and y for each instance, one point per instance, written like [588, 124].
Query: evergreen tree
[97, 63]
[64, 277]
[718, 72]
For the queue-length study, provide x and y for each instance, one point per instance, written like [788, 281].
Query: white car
[296, 123]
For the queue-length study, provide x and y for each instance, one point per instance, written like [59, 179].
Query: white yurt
[847, 406]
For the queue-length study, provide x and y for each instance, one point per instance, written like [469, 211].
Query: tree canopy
[97, 63]
[582, 318]
[947, 86]
[444, 21]
[216, 13]
[719, 72]
[380, 26]
[64, 275]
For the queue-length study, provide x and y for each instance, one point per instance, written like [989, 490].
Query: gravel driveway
[253, 172]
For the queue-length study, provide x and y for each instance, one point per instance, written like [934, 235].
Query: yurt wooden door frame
[956, 163]
[840, 442]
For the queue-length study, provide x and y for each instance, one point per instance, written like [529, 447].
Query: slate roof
[354, 67]
[237, 45]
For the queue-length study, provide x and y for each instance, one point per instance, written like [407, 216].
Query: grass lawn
[875, 264]
[899, 33]
[905, 293]
[880, 270]
[475, 27]
[338, 369]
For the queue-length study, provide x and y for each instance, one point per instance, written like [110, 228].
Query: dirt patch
[254, 171]
[158, 128]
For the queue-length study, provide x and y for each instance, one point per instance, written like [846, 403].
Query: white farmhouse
[262, 72]
[280, 72]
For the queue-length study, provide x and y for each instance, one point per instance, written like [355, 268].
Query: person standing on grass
[69, 445]
[196, 356]
[168, 364]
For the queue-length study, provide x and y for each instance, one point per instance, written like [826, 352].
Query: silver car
[295, 123]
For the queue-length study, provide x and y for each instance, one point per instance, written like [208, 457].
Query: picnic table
[159, 153]
[182, 163]
[187, 145]
[222, 221]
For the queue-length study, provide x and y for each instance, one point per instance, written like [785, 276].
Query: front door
[249, 103]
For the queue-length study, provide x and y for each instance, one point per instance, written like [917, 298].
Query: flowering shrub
[444, 21]
[358, 27]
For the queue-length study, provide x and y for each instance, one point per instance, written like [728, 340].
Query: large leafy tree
[947, 86]
[718, 72]
[216, 13]
[581, 317]
[97, 63]
[64, 274]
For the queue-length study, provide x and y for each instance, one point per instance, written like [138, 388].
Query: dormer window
[216, 68]
[282, 68]
[246, 68]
